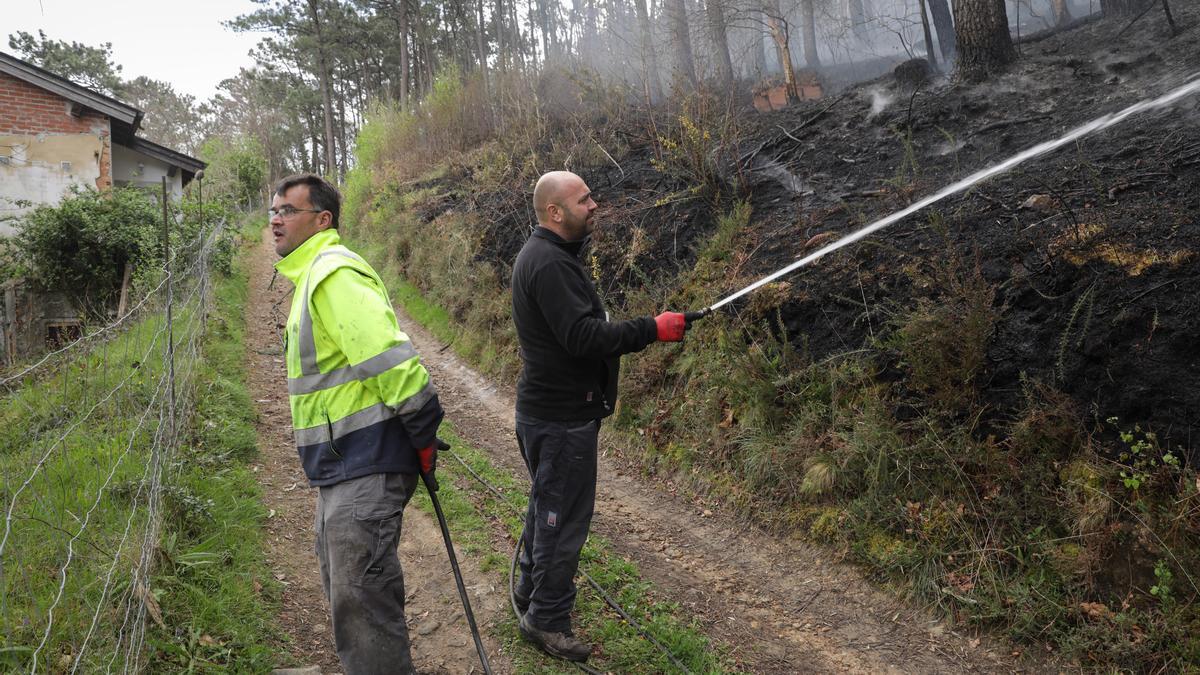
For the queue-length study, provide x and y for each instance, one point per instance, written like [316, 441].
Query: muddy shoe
[562, 645]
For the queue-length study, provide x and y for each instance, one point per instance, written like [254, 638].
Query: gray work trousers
[358, 527]
[561, 458]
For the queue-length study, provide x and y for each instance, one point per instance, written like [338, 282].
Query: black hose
[431, 487]
[592, 582]
[512, 599]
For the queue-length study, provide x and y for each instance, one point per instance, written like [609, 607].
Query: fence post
[166, 243]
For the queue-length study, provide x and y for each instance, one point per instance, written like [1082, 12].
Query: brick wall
[27, 109]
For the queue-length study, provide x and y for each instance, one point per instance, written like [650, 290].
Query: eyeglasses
[287, 211]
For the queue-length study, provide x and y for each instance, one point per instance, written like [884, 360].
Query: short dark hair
[321, 193]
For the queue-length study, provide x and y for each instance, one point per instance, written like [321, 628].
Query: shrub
[82, 245]
[943, 341]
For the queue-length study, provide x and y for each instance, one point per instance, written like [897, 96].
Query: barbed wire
[191, 333]
[109, 418]
[120, 322]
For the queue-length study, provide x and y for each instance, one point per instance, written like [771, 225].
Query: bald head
[549, 190]
[563, 203]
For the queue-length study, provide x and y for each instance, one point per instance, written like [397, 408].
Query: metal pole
[431, 487]
[166, 246]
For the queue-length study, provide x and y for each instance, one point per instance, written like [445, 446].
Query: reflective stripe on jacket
[361, 400]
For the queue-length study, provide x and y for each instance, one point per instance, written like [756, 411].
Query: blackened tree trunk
[685, 66]
[984, 43]
[928, 35]
[715, 10]
[808, 14]
[649, 59]
[943, 23]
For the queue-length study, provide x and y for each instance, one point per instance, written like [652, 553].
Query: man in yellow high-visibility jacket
[365, 417]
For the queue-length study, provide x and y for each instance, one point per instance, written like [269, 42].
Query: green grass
[78, 461]
[133, 532]
[218, 598]
[486, 527]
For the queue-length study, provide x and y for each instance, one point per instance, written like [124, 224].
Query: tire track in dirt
[777, 606]
[440, 637]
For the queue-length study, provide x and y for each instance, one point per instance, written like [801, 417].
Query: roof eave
[165, 154]
[67, 89]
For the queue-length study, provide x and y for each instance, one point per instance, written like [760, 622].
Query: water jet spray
[1075, 134]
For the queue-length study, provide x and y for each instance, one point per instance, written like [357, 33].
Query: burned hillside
[977, 403]
[1090, 249]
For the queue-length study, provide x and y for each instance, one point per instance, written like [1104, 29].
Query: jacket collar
[572, 247]
[295, 264]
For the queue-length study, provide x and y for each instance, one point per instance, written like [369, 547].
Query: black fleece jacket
[571, 352]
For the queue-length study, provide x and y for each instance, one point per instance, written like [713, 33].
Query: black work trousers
[561, 458]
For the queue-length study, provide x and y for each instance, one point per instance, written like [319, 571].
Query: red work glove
[671, 326]
[427, 457]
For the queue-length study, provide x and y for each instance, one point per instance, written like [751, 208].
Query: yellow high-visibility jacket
[361, 401]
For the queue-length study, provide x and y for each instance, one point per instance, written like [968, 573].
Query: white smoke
[880, 99]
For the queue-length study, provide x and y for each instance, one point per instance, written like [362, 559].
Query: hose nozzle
[689, 317]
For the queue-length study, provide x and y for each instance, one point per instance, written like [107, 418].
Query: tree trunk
[326, 86]
[983, 40]
[761, 37]
[779, 32]
[1170, 19]
[858, 19]
[524, 47]
[404, 40]
[715, 9]
[649, 59]
[928, 35]
[498, 24]
[1062, 15]
[811, 58]
[943, 23]
[685, 66]
[343, 164]
[548, 40]
[480, 41]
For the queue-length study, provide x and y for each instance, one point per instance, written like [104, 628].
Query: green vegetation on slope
[1041, 520]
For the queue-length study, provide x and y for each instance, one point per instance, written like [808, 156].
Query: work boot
[562, 645]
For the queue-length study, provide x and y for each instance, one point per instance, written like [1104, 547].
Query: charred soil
[989, 404]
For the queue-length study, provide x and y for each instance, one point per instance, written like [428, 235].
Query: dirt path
[441, 641]
[780, 607]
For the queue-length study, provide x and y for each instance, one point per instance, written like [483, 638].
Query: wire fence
[89, 435]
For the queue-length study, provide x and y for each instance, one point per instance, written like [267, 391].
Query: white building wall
[40, 168]
[132, 168]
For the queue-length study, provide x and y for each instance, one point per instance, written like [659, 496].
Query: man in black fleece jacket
[571, 355]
